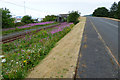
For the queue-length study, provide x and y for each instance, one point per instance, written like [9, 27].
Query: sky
[41, 8]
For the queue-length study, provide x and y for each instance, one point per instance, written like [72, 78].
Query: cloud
[41, 8]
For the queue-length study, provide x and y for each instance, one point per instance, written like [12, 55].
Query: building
[18, 19]
[62, 17]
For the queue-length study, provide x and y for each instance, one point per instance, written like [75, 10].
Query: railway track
[21, 35]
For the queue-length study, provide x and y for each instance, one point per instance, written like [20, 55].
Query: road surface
[99, 50]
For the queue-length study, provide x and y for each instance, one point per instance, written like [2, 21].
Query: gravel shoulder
[62, 59]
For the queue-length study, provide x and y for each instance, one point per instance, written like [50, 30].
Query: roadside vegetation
[113, 12]
[27, 19]
[27, 27]
[49, 18]
[73, 17]
[7, 21]
[22, 55]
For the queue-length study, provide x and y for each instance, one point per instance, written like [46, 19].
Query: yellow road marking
[85, 46]
[105, 44]
[85, 38]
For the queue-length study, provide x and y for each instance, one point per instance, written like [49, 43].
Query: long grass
[24, 54]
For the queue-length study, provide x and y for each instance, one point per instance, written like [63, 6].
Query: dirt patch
[62, 59]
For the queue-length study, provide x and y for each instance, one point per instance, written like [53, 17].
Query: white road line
[110, 23]
[108, 49]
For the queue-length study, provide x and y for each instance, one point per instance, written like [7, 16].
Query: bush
[27, 19]
[101, 12]
[19, 24]
[7, 21]
[49, 18]
[73, 17]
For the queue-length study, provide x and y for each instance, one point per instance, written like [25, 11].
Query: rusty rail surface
[14, 37]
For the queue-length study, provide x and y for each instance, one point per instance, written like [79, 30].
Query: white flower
[16, 62]
[3, 60]
[38, 49]
[32, 51]
[1, 56]
[11, 60]
[28, 50]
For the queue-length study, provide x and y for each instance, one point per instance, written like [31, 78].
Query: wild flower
[11, 60]
[24, 61]
[60, 28]
[3, 60]
[28, 52]
[34, 24]
[1, 56]
[16, 62]
[22, 50]
[30, 45]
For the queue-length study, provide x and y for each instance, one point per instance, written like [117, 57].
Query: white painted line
[110, 23]
[108, 49]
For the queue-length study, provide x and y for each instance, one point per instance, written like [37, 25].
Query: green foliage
[49, 18]
[117, 15]
[16, 29]
[7, 21]
[27, 19]
[101, 12]
[73, 17]
[113, 10]
[24, 54]
[19, 24]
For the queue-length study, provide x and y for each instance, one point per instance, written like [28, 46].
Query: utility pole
[24, 9]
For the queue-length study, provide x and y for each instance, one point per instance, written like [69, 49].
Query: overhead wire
[25, 7]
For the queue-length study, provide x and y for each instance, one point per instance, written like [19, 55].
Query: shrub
[7, 21]
[27, 19]
[19, 24]
[73, 17]
[101, 12]
[49, 18]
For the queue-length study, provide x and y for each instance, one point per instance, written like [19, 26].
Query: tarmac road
[99, 50]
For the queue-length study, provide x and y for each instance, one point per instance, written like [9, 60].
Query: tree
[117, 15]
[101, 12]
[73, 17]
[27, 19]
[49, 18]
[113, 10]
[7, 20]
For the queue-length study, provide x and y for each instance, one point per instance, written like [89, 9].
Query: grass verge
[22, 55]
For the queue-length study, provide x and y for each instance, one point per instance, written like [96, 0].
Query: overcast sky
[40, 8]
